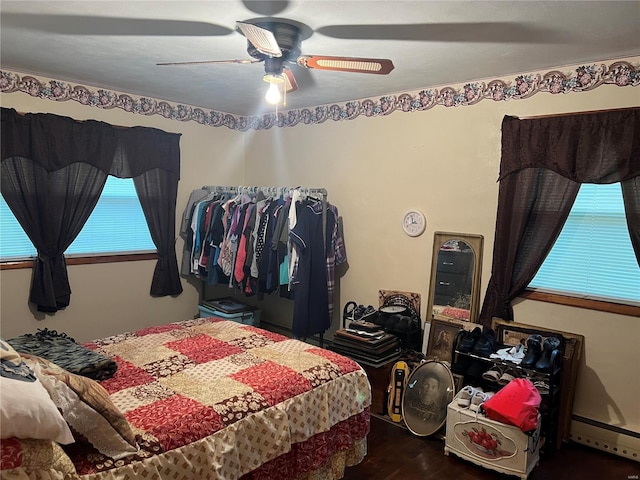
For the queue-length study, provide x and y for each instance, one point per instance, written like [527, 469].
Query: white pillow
[26, 409]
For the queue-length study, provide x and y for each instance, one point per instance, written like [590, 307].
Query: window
[593, 257]
[104, 233]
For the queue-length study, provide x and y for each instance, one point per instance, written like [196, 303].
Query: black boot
[468, 340]
[549, 355]
[485, 344]
[534, 351]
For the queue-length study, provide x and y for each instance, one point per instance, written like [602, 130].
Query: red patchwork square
[176, 421]
[127, 375]
[274, 382]
[10, 453]
[158, 329]
[203, 348]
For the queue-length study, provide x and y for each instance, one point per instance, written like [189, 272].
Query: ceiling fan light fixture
[273, 78]
[273, 95]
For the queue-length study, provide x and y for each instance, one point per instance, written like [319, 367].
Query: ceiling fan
[277, 43]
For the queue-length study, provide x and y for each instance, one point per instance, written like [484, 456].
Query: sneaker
[353, 312]
[358, 312]
[368, 312]
[466, 394]
[478, 399]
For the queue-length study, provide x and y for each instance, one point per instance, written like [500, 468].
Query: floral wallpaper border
[583, 78]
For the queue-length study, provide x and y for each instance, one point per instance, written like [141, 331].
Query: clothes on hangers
[185, 226]
[264, 240]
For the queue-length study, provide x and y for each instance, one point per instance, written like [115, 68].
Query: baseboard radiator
[609, 438]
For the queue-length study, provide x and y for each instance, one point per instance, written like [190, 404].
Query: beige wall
[443, 161]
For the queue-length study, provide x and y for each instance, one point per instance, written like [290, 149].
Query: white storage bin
[511, 451]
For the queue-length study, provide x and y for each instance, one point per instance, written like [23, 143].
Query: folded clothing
[513, 354]
[63, 350]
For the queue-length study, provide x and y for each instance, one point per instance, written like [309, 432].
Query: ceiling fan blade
[483, 32]
[211, 62]
[90, 25]
[290, 84]
[304, 76]
[380, 66]
[261, 38]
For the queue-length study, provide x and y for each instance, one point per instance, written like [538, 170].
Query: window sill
[601, 306]
[85, 260]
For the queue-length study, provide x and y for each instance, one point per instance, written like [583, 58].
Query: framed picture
[441, 336]
[513, 337]
[429, 390]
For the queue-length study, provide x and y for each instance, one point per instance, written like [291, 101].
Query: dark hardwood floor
[394, 453]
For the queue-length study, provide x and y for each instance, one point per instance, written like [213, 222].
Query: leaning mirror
[454, 291]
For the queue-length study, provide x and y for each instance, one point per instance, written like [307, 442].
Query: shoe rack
[570, 362]
[555, 383]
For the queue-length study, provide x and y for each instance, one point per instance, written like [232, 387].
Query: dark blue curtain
[53, 170]
[544, 161]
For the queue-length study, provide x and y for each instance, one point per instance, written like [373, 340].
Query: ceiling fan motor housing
[288, 38]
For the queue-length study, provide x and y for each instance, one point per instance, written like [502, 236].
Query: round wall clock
[414, 223]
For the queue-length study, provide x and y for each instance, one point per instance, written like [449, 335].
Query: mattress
[215, 399]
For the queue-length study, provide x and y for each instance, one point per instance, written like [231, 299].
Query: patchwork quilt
[214, 399]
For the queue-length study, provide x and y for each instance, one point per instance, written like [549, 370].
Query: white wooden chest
[493, 445]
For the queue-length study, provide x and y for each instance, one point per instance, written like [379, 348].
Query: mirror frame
[476, 243]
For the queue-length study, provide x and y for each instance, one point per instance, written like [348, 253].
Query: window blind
[593, 257]
[116, 226]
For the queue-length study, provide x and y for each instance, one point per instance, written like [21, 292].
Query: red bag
[516, 404]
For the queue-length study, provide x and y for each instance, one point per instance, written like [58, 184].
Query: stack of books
[366, 343]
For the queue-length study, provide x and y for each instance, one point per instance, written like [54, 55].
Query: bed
[200, 399]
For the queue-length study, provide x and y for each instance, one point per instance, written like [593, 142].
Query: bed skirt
[323, 457]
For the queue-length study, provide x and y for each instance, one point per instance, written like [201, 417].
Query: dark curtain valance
[597, 147]
[52, 173]
[544, 162]
[142, 149]
[122, 152]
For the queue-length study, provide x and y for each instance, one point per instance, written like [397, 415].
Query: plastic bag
[517, 403]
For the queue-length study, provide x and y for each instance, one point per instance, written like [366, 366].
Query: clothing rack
[280, 191]
[253, 190]
[266, 190]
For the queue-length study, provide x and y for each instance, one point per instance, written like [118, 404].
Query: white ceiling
[116, 45]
